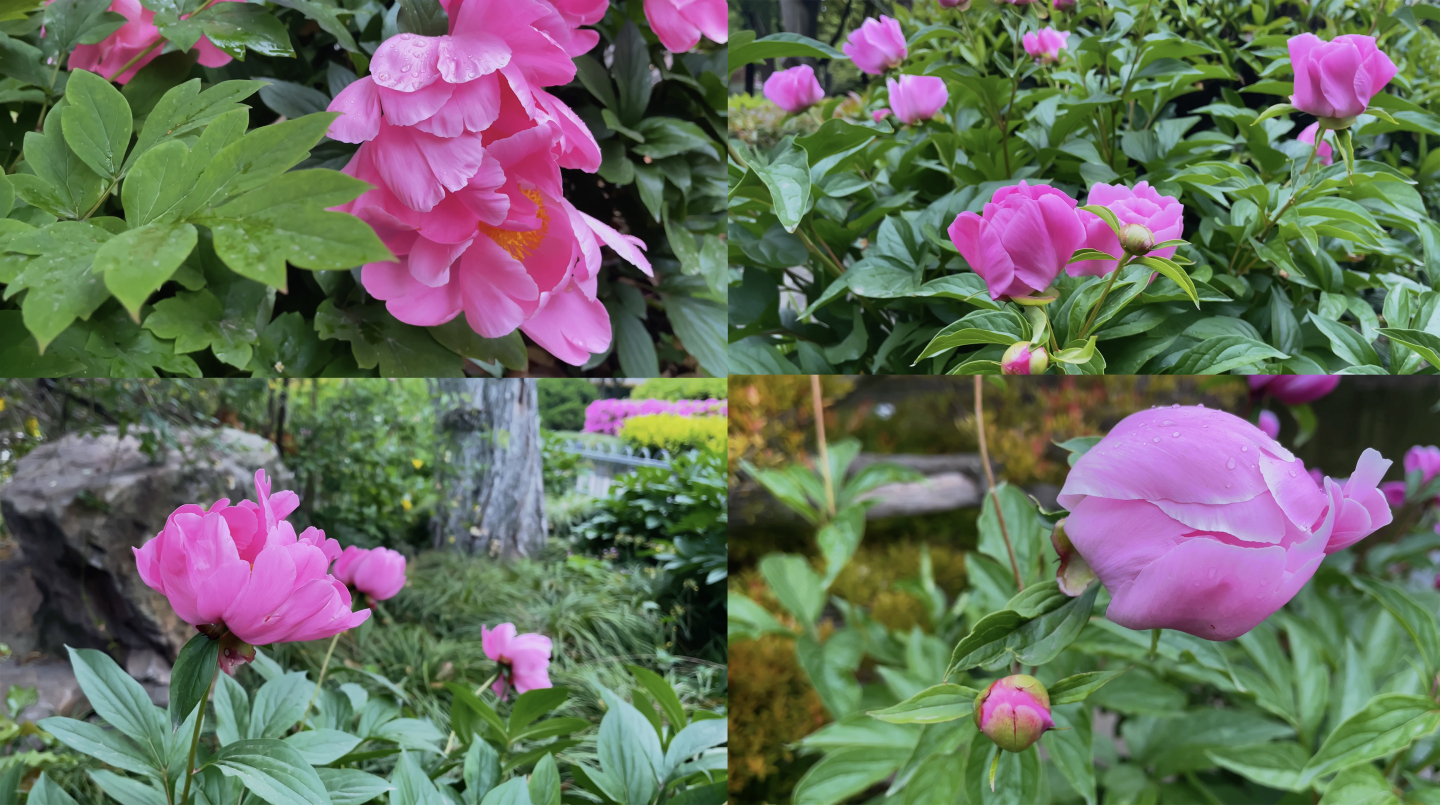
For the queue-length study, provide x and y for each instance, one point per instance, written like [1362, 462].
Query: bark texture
[493, 493]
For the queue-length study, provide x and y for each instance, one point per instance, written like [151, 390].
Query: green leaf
[839, 539]
[1274, 111]
[1091, 254]
[512, 792]
[698, 738]
[190, 679]
[533, 704]
[1078, 687]
[130, 351]
[787, 178]
[700, 324]
[273, 771]
[58, 281]
[1174, 272]
[97, 122]
[629, 749]
[424, 17]
[944, 702]
[776, 46]
[507, 350]
[412, 785]
[157, 182]
[1347, 344]
[46, 792]
[796, 586]
[279, 703]
[108, 747]
[846, 772]
[289, 347]
[66, 22]
[74, 184]
[632, 74]
[1389, 723]
[378, 339]
[464, 696]
[120, 700]
[323, 746]
[1360, 785]
[327, 16]
[184, 109]
[1419, 621]
[259, 157]
[233, 27]
[127, 790]
[1426, 345]
[481, 771]
[1223, 353]
[1072, 750]
[1273, 765]
[200, 319]
[351, 786]
[286, 221]
[662, 693]
[137, 262]
[986, 640]
[293, 100]
[545, 782]
[633, 344]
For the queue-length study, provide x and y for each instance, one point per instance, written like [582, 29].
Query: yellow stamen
[521, 244]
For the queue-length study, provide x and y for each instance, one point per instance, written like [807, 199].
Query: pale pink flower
[524, 659]
[1270, 424]
[876, 46]
[1045, 44]
[138, 33]
[1337, 79]
[915, 98]
[1144, 205]
[794, 89]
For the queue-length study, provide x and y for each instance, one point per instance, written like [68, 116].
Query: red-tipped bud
[1014, 712]
[1024, 359]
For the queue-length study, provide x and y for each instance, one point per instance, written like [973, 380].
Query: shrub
[672, 519]
[675, 433]
[1283, 265]
[606, 416]
[681, 388]
[562, 402]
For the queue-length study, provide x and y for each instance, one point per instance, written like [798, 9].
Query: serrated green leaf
[137, 262]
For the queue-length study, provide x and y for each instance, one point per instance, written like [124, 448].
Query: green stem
[990, 479]
[450, 742]
[1110, 283]
[1154, 642]
[195, 738]
[325, 666]
[1271, 221]
[151, 47]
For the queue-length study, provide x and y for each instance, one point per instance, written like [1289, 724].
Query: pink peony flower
[679, 23]
[377, 572]
[794, 89]
[138, 33]
[1143, 205]
[916, 98]
[1293, 389]
[1022, 241]
[1394, 493]
[1317, 476]
[1062, 5]
[1014, 712]
[1323, 153]
[880, 114]
[1425, 460]
[963, 5]
[1335, 80]
[1195, 520]
[876, 46]
[242, 572]
[523, 659]
[463, 146]
[1045, 44]
[1270, 424]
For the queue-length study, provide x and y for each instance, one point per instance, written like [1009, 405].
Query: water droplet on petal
[1292, 473]
[1230, 465]
[1157, 439]
[1244, 448]
[1176, 434]
[1167, 422]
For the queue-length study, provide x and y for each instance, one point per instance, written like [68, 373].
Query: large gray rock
[76, 506]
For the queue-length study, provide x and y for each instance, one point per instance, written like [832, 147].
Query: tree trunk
[492, 496]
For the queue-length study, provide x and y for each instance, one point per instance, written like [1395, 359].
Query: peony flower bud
[377, 572]
[963, 5]
[880, 114]
[794, 89]
[1270, 424]
[876, 46]
[1293, 389]
[1023, 359]
[1335, 80]
[916, 98]
[1014, 712]
[1074, 573]
[1137, 239]
[1045, 44]
[1394, 493]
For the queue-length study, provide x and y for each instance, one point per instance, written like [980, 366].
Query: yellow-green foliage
[681, 388]
[869, 579]
[674, 432]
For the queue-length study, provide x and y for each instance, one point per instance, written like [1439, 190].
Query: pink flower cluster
[241, 574]
[607, 416]
[376, 572]
[524, 659]
[463, 147]
[1027, 233]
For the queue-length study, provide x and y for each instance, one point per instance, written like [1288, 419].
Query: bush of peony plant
[1205, 620]
[243, 577]
[309, 188]
[1108, 185]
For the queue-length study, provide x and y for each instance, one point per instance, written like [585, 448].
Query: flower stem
[990, 480]
[1119, 264]
[325, 666]
[195, 738]
[1154, 642]
[820, 441]
[151, 47]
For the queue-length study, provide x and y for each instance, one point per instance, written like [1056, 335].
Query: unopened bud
[1074, 573]
[963, 5]
[1014, 712]
[1137, 239]
[1023, 358]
